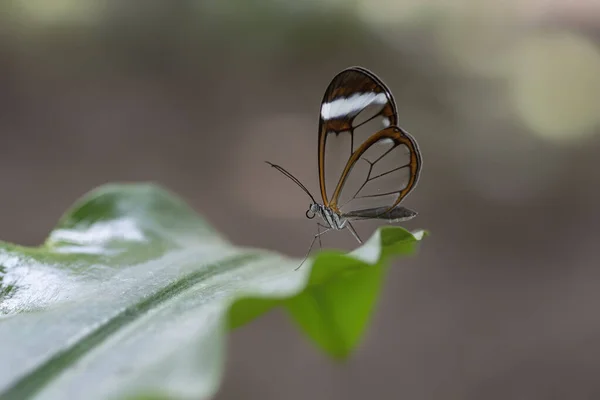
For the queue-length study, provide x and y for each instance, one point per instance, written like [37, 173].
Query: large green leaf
[132, 295]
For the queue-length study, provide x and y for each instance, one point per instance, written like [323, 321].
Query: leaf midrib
[35, 380]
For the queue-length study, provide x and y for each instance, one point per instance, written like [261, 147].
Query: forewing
[355, 105]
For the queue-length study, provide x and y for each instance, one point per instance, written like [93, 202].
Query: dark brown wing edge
[396, 214]
[400, 138]
[338, 88]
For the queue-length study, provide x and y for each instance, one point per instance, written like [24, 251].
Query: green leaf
[132, 294]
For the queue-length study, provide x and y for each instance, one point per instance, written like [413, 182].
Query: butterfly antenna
[293, 178]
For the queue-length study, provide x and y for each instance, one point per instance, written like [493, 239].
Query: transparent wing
[356, 104]
[379, 174]
[396, 214]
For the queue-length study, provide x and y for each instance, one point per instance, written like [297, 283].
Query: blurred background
[503, 97]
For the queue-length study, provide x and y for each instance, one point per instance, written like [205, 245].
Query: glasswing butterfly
[359, 122]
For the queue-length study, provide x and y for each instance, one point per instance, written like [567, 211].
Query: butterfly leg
[353, 231]
[319, 226]
[317, 236]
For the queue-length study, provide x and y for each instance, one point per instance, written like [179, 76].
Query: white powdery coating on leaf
[101, 232]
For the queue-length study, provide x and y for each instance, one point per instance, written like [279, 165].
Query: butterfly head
[313, 210]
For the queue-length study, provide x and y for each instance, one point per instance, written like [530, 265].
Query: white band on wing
[350, 106]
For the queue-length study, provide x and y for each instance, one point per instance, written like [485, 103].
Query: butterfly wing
[355, 98]
[399, 154]
[396, 214]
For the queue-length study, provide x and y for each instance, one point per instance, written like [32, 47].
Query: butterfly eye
[310, 214]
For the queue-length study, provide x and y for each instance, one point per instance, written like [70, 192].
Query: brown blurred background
[503, 97]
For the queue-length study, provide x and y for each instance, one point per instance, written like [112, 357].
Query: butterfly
[359, 121]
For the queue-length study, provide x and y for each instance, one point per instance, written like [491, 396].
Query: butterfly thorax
[332, 218]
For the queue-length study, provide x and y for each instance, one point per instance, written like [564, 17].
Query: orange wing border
[399, 137]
